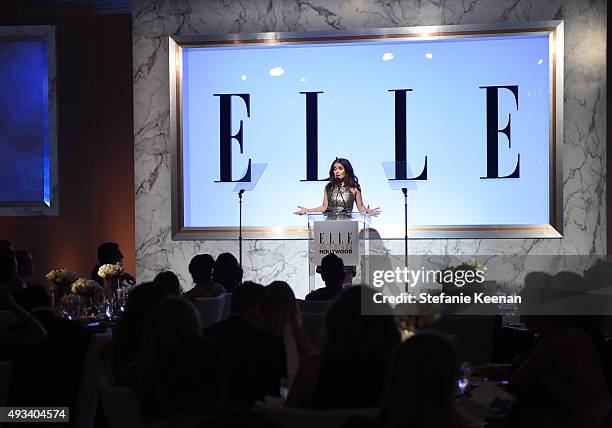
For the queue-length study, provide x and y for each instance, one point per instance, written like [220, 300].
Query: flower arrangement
[86, 287]
[476, 265]
[61, 276]
[412, 317]
[109, 271]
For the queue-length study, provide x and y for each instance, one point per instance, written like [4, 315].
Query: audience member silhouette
[25, 268]
[171, 321]
[193, 381]
[421, 385]
[126, 341]
[283, 321]
[110, 253]
[227, 272]
[201, 270]
[27, 331]
[350, 371]
[563, 372]
[55, 382]
[332, 273]
[5, 243]
[170, 282]
[255, 358]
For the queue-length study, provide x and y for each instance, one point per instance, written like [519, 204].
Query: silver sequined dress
[340, 200]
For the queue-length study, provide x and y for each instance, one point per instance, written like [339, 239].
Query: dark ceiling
[102, 6]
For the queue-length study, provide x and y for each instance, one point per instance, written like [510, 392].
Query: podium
[343, 234]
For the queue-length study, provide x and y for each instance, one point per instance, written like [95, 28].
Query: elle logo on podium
[339, 237]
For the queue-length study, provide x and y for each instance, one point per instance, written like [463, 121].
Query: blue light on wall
[25, 176]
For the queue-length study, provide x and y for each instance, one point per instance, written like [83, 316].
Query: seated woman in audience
[283, 321]
[201, 270]
[127, 337]
[25, 268]
[170, 282]
[420, 387]
[110, 253]
[227, 272]
[64, 350]
[351, 369]
[27, 331]
[171, 321]
[562, 372]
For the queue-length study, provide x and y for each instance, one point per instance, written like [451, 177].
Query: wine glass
[465, 375]
[72, 306]
[120, 300]
[100, 303]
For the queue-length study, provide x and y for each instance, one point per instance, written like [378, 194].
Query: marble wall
[584, 152]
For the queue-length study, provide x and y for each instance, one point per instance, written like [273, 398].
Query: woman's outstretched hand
[301, 210]
[374, 212]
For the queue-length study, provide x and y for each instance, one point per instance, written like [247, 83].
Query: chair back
[6, 318]
[288, 417]
[5, 380]
[313, 327]
[120, 406]
[210, 309]
[313, 306]
[92, 369]
[227, 306]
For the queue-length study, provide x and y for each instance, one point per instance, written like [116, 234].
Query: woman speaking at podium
[341, 192]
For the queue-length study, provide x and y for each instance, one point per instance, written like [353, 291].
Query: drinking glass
[465, 375]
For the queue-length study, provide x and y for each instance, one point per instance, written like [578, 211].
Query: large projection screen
[483, 106]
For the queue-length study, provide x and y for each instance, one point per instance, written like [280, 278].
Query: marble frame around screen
[555, 29]
[40, 208]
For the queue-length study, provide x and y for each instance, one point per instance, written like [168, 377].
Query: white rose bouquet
[109, 271]
[86, 287]
[61, 276]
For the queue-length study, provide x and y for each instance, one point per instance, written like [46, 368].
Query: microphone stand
[240, 225]
[405, 192]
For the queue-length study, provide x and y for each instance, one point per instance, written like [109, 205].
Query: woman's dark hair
[227, 271]
[129, 332]
[170, 282]
[350, 179]
[421, 382]
[109, 252]
[247, 296]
